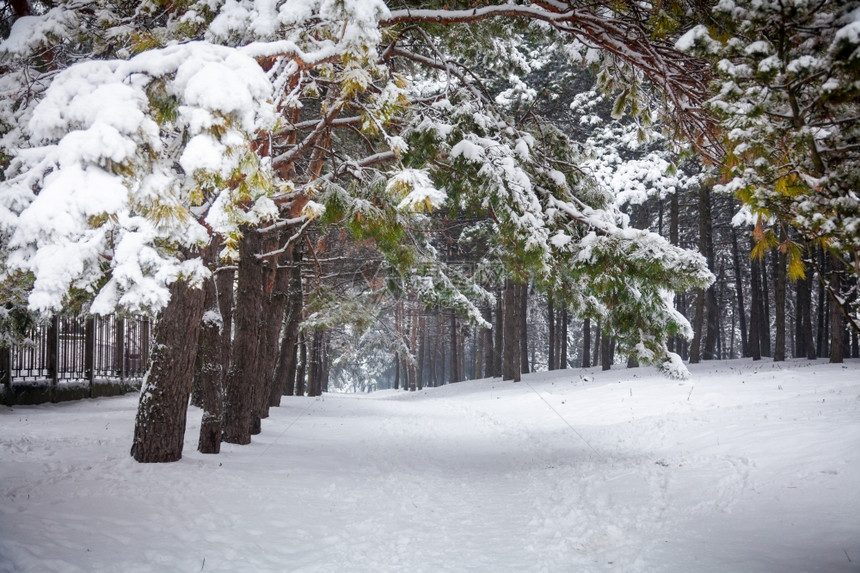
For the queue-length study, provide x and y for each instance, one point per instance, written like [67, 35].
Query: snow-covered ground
[748, 467]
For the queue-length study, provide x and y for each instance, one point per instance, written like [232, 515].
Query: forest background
[315, 195]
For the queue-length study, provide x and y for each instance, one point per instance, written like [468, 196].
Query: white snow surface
[747, 467]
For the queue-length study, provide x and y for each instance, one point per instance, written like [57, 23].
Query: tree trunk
[764, 326]
[698, 321]
[303, 364]
[755, 310]
[455, 350]
[803, 343]
[498, 350]
[285, 374]
[397, 371]
[241, 386]
[523, 334]
[779, 301]
[562, 355]
[709, 296]
[159, 429]
[550, 313]
[213, 358]
[836, 328]
[586, 343]
[606, 352]
[487, 333]
[674, 239]
[511, 363]
[598, 339]
[739, 290]
[277, 297]
[821, 333]
[422, 350]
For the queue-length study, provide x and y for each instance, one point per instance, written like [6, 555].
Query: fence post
[90, 351]
[53, 355]
[120, 348]
[6, 374]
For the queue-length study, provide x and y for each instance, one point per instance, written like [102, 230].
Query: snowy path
[747, 467]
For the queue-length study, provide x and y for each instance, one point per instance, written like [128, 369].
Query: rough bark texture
[273, 322]
[212, 362]
[159, 429]
[285, 374]
[241, 386]
[511, 346]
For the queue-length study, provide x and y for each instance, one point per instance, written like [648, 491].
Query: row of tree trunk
[238, 353]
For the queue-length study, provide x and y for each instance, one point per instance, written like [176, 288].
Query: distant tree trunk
[739, 289]
[606, 352]
[836, 328]
[755, 310]
[285, 374]
[437, 344]
[498, 350]
[159, 430]
[779, 300]
[413, 335]
[598, 343]
[212, 361]
[709, 302]
[317, 364]
[242, 388]
[712, 325]
[803, 340]
[674, 239]
[511, 364]
[764, 327]
[455, 350]
[821, 333]
[698, 321]
[422, 350]
[550, 313]
[487, 333]
[397, 371]
[303, 364]
[523, 314]
[586, 343]
[563, 354]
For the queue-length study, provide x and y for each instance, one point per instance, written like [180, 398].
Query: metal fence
[80, 351]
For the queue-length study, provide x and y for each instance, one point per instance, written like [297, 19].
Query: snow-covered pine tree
[136, 132]
[787, 95]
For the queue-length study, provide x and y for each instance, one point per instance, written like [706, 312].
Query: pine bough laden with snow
[141, 137]
[788, 95]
